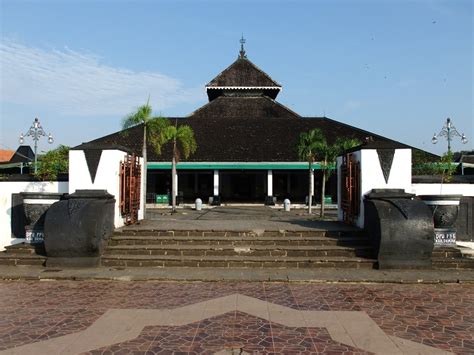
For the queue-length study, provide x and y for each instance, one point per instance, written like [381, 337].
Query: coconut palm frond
[141, 115]
[157, 127]
[310, 143]
[343, 144]
[186, 140]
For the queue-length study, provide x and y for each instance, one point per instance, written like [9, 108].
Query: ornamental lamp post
[35, 131]
[448, 131]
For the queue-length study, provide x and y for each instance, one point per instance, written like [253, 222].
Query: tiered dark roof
[257, 107]
[243, 73]
[244, 124]
[242, 76]
[244, 139]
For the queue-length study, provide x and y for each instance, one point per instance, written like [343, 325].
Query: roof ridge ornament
[242, 50]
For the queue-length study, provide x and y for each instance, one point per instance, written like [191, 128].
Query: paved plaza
[111, 317]
[240, 218]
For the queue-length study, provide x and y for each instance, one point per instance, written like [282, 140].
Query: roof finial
[242, 50]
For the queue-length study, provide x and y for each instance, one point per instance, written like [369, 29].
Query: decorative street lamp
[448, 131]
[36, 131]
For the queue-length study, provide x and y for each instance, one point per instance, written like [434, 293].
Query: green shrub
[54, 162]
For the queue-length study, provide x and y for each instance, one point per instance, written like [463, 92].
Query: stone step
[235, 261]
[450, 258]
[236, 240]
[441, 253]
[23, 254]
[244, 251]
[21, 259]
[212, 233]
[25, 248]
[453, 263]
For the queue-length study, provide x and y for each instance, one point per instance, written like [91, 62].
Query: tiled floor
[249, 317]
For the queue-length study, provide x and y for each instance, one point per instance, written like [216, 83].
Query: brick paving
[437, 316]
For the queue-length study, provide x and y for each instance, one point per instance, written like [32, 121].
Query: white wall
[443, 189]
[107, 177]
[372, 176]
[7, 188]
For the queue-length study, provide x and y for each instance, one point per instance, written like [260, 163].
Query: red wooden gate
[130, 178]
[350, 188]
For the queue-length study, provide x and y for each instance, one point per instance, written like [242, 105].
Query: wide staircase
[277, 249]
[311, 249]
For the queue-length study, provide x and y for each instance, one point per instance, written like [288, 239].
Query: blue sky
[397, 68]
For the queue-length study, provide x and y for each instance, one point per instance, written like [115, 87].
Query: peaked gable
[243, 73]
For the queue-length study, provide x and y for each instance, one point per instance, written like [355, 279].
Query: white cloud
[77, 83]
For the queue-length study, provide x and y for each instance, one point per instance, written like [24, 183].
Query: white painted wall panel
[7, 188]
[107, 177]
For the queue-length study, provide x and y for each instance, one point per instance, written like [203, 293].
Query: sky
[397, 68]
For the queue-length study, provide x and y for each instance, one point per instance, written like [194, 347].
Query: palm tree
[309, 145]
[327, 155]
[153, 131]
[184, 143]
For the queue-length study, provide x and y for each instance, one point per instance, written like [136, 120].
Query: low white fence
[443, 189]
[7, 188]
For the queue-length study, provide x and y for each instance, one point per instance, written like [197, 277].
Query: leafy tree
[53, 163]
[445, 167]
[309, 144]
[428, 164]
[328, 155]
[313, 146]
[153, 131]
[184, 144]
[424, 163]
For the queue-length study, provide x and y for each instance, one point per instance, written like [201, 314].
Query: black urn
[35, 205]
[445, 209]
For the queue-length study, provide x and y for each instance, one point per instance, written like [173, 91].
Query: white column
[312, 185]
[216, 182]
[340, 214]
[176, 183]
[269, 182]
[141, 211]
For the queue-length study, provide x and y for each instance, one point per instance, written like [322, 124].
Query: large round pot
[35, 205]
[445, 209]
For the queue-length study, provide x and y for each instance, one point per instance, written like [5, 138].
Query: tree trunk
[323, 192]
[310, 195]
[145, 170]
[173, 178]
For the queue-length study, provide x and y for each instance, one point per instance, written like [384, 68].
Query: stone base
[400, 229]
[216, 201]
[73, 262]
[391, 263]
[270, 201]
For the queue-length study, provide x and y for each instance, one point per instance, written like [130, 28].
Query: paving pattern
[223, 317]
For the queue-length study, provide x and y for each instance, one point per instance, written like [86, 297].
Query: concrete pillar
[270, 183]
[176, 183]
[216, 182]
[312, 185]
[269, 199]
